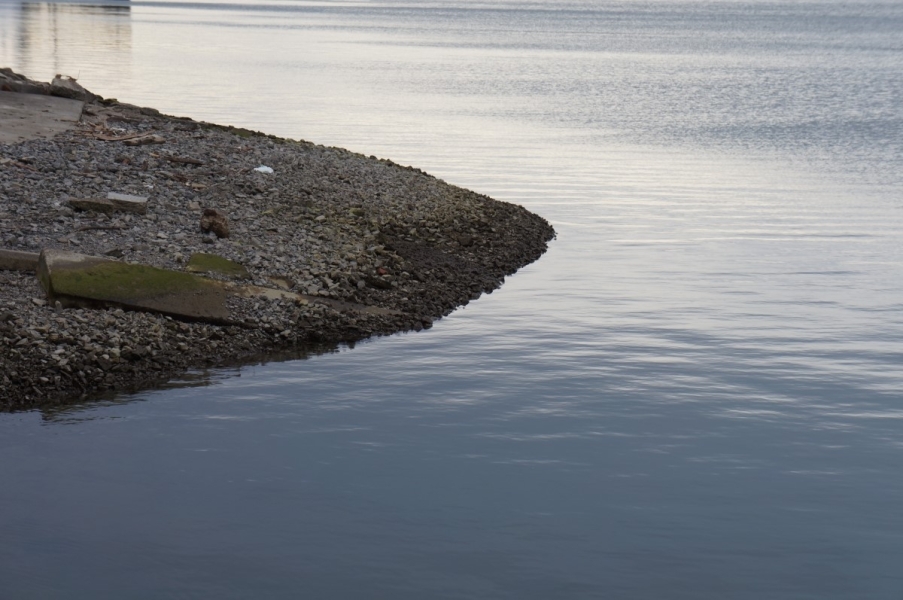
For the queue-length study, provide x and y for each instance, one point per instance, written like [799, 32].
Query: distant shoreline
[336, 231]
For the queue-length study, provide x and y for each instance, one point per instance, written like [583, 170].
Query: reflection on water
[76, 412]
[46, 38]
[696, 393]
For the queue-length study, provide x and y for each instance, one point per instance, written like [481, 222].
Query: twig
[120, 138]
[185, 160]
[102, 227]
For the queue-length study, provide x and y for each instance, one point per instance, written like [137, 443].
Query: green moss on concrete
[124, 282]
[212, 263]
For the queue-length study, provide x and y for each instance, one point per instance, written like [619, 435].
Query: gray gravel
[327, 222]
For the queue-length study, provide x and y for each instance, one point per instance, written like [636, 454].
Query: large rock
[215, 221]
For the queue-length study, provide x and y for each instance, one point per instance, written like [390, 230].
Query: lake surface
[696, 393]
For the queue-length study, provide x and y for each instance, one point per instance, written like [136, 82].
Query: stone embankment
[307, 245]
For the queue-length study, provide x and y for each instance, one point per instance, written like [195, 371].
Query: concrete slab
[77, 280]
[128, 202]
[15, 260]
[32, 116]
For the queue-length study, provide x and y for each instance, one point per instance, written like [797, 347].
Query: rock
[67, 87]
[11, 81]
[380, 284]
[465, 240]
[100, 205]
[215, 221]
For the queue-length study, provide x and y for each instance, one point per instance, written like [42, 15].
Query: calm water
[695, 394]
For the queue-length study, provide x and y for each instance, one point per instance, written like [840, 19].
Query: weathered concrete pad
[211, 263]
[14, 260]
[88, 281]
[33, 116]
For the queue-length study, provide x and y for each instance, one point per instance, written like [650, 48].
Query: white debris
[264, 169]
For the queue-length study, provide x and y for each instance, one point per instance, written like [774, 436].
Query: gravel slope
[326, 222]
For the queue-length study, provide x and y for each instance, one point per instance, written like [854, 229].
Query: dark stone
[376, 282]
[101, 205]
[215, 221]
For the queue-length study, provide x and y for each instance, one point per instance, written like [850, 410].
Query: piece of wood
[185, 160]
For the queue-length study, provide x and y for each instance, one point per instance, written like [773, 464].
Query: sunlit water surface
[696, 393]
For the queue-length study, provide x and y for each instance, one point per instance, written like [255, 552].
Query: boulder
[215, 221]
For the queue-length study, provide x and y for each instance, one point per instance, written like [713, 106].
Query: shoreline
[367, 247]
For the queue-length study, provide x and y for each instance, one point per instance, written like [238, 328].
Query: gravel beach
[345, 230]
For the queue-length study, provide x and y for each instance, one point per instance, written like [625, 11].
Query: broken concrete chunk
[93, 204]
[212, 263]
[14, 260]
[128, 202]
[66, 87]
